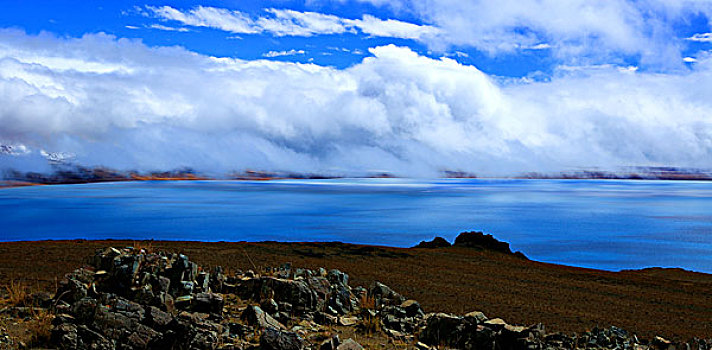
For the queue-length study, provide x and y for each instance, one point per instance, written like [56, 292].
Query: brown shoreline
[144, 178]
[673, 303]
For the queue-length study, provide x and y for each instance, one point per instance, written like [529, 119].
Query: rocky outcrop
[437, 242]
[476, 239]
[132, 299]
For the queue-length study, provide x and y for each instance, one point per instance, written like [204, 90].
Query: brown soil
[673, 303]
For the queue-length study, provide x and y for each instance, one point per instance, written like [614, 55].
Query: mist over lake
[602, 224]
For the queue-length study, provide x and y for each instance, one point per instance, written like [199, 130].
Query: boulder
[273, 339]
[384, 295]
[256, 317]
[330, 344]
[271, 307]
[208, 303]
[349, 344]
[441, 329]
[412, 308]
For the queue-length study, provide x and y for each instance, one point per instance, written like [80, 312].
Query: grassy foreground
[672, 303]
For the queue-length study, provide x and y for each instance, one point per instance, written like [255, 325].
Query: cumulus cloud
[119, 103]
[285, 22]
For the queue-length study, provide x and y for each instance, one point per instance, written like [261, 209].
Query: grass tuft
[17, 293]
[147, 247]
[368, 324]
[39, 327]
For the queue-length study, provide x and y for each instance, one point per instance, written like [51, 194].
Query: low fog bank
[103, 102]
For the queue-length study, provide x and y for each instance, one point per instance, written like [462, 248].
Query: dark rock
[412, 308]
[476, 317]
[480, 240]
[270, 306]
[325, 319]
[256, 317]
[208, 303]
[273, 339]
[349, 344]
[84, 309]
[217, 279]
[297, 293]
[126, 304]
[72, 288]
[385, 295]
[65, 336]
[331, 343]
[42, 299]
[239, 330]
[437, 242]
[441, 329]
[203, 281]
[157, 319]
[339, 278]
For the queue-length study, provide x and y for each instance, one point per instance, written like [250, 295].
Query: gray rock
[208, 303]
[256, 317]
[270, 306]
[273, 339]
[331, 343]
[349, 344]
[412, 308]
[384, 295]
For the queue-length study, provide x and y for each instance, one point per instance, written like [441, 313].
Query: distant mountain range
[65, 171]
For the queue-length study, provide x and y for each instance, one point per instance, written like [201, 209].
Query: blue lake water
[602, 224]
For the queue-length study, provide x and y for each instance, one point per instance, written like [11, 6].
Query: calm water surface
[603, 224]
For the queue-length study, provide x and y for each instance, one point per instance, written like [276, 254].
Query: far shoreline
[15, 183]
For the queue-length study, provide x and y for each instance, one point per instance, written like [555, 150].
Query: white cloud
[167, 28]
[542, 46]
[582, 31]
[291, 52]
[285, 22]
[224, 19]
[295, 23]
[136, 107]
[689, 60]
[459, 54]
[393, 28]
[701, 37]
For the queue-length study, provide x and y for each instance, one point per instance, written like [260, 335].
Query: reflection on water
[604, 224]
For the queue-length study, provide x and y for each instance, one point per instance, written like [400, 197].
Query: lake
[606, 224]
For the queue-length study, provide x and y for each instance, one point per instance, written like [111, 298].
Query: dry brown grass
[369, 325]
[39, 327]
[672, 303]
[146, 246]
[368, 302]
[17, 293]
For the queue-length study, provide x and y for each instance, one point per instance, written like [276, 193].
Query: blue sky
[132, 19]
[412, 87]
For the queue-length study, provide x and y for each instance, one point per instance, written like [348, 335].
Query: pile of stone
[132, 299]
[135, 300]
